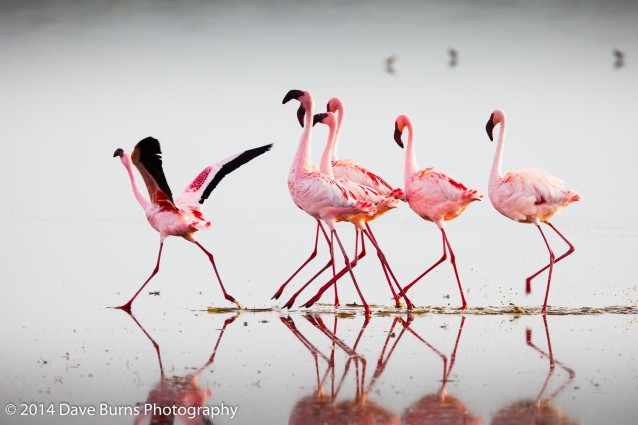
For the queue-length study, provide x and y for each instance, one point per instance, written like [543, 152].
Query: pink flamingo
[184, 216]
[360, 221]
[528, 195]
[434, 196]
[318, 195]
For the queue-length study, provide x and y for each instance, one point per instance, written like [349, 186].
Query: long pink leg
[212, 261]
[334, 279]
[442, 259]
[388, 271]
[551, 268]
[528, 281]
[312, 255]
[332, 260]
[354, 280]
[456, 272]
[155, 344]
[127, 306]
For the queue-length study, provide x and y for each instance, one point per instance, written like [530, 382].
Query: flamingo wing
[201, 187]
[348, 169]
[147, 157]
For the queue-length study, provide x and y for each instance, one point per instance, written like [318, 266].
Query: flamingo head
[327, 118]
[334, 105]
[303, 97]
[118, 152]
[498, 116]
[400, 124]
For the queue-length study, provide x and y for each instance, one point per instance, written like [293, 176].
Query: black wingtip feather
[231, 166]
[150, 155]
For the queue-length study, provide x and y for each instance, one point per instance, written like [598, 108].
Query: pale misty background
[80, 79]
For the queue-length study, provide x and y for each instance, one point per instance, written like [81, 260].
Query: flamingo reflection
[439, 408]
[177, 390]
[539, 410]
[327, 408]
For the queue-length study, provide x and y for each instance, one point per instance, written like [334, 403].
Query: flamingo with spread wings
[183, 216]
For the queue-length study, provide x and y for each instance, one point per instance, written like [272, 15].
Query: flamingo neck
[340, 116]
[328, 153]
[143, 201]
[302, 163]
[411, 166]
[495, 174]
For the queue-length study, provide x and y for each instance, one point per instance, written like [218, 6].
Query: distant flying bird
[619, 57]
[434, 196]
[454, 56]
[321, 197]
[389, 64]
[183, 216]
[528, 195]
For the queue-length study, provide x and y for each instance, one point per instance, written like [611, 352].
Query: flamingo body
[182, 217]
[528, 195]
[433, 195]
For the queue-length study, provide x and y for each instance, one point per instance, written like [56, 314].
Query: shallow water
[207, 78]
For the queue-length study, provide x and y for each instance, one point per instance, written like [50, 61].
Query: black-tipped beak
[318, 118]
[118, 152]
[292, 94]
[489, 127]
[301, 114]
[397, 136]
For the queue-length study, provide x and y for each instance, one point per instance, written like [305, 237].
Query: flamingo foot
[464, 306]
[126, 307]
[277, 294]
[290, 303]
[528, 286]
[311, 301]
[234, 301]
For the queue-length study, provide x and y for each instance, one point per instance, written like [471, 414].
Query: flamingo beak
[489, 127]
[301, 114]
[292, 94]
[397, 135]
[118, 152]
[318, 118]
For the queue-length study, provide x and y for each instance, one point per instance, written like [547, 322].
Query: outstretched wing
[147, 157]
[200, 188]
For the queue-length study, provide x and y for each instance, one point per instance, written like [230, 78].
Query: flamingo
[321, 197]
[434, 196]
[183, 216]
[383, 203]
[528, 195]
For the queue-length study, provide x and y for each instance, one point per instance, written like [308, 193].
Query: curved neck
[495, 174]
[328, 153]
[302, 163]
[143, 201]
[340, 116]
[411, 166]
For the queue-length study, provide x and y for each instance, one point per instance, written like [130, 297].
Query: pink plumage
[528, 195]
[182, 217]
[434, 196]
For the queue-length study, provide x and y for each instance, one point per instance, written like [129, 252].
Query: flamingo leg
[362, 254]
[551, 269]
[292, 299]
[442, 259]
[528, 281]
[313, 254]
[354, 280]
[332, 260]
[127, 306]
[155, 344]
[456, 272]
[388, 271]
[212, 261]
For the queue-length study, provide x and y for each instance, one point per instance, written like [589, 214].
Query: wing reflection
[177, 391]
[539, 410]
[333, 407]
[439, 408]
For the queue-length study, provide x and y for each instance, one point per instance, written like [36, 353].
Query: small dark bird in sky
[389, 65]
[620, 58]
[454, 57]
